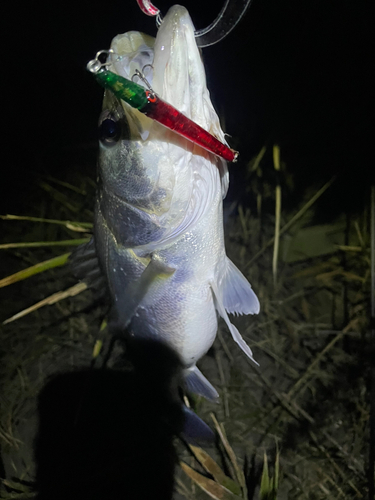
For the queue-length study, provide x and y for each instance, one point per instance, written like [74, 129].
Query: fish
[158, 230]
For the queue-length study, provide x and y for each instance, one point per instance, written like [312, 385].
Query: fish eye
[109, 131]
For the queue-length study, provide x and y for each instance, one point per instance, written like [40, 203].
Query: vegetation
[298, 426]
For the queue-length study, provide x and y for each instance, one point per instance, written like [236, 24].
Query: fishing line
[227, 19]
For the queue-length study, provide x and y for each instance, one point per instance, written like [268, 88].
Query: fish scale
[159, 216]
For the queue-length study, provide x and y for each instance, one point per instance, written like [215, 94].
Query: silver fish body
[159, 216]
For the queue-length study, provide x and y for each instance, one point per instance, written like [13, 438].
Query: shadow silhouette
[108, 434]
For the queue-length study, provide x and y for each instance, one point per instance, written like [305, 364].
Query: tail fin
[195, 429]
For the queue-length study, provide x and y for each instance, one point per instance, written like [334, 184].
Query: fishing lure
[149, 103]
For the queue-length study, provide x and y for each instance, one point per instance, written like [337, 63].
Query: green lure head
[124, 89]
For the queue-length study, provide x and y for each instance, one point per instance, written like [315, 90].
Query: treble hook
[226, 21]
[141, 76]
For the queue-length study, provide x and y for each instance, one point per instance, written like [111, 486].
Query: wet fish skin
[159, 217]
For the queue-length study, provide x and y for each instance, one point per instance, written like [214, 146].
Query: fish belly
[182, 314]
[178, 309]
[182, 311]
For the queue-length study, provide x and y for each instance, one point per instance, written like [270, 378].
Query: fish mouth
[173, 67]
[171, 63]
[178, 70]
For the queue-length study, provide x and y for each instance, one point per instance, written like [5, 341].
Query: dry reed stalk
[48, 301]
[276, 164]
[293, 220]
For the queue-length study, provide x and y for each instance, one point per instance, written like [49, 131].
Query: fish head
[179, 74]
[163, 178]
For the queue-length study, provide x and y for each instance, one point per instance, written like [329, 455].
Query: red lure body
[170, 117]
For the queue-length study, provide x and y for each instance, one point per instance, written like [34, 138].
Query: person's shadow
[108, 434]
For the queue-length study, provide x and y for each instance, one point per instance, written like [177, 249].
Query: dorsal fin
[84, 265]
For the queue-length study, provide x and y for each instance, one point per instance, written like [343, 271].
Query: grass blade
[265, 481]
[212, 489]
[37, 244]
[213, 468]
[232, 456]
[52, 299]
[81, 227]
[32, 270]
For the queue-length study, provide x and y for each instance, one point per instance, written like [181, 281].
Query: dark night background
[292, 72]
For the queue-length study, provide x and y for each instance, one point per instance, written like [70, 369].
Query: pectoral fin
[138, 289]
[233, 330]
